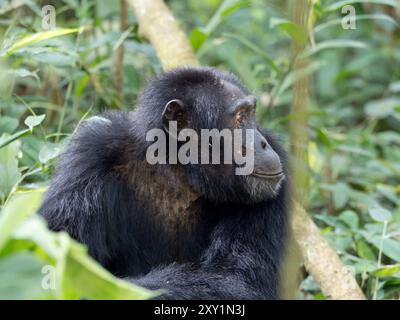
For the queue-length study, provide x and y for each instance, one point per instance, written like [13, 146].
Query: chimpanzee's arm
[90, 201]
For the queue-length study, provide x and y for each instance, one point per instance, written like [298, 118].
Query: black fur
[198, 232]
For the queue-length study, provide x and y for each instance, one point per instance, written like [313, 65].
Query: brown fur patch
[163, 190]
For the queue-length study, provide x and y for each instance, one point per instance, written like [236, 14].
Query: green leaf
[34, 230]
[197, 38]
[33, 121]
[295, 31]
[365, 251]
[389, 192]
[49, 151]
[340, 192]
[21, 277]
[323, 135]
[387, 271]
[379, 109]
[379, 214]
[339, 4]
[17, 209]
[199, 35]
[79, 276]
[9, 172]
[350, 218]
[391, 247]
[22, 73]
[37, 37]
[8, 124]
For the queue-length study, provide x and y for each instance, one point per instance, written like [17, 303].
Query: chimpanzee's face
[216, 100]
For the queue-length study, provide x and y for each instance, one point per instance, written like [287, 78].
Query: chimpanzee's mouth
[265, 175]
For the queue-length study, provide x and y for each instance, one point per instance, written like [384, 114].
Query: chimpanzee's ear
[175, 111]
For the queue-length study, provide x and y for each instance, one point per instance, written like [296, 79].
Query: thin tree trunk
[158, 25]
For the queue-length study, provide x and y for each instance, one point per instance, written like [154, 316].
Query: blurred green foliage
[52, 80]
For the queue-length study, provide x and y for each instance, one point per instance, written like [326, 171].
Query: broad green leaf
[387, 271]
[393, 283]
[391, 247]
[49, 151]
[17, 209]
[226, 8]
[294, 76]
[34, 229]
[33, 121]
[82, 277]
[77, 275]
[8, 124]
[197, 38]
[379, 109]
[365, 251]
[37, 37]
[56, 59]
[21, 277]
[389, 192]
[339, 4]
[350, 218]
[4, 140]
[231, 6]
[295, 31]
[365, 265]
[340, 192]
[9, 171]
[379, 214]
[316, 159]
[81, 85]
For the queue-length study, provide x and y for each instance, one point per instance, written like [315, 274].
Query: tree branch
[158, 25]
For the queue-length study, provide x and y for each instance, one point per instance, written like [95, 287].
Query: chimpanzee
[198, 231]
